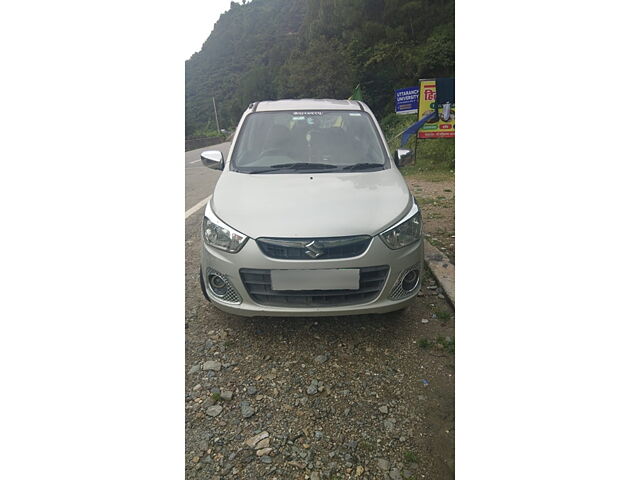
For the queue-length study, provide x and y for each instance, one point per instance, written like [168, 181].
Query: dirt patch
[437, 203]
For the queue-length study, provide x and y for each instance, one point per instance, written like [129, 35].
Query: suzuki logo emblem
[313, 249]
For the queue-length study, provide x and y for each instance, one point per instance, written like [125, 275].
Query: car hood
[311, 205]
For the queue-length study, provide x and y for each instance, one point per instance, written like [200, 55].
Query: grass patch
[441, 343]
[443, 315]
[364, 445]
[215, 397]
[410, 457]
[435, 159]
[449, 345]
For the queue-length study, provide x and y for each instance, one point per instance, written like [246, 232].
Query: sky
[202, 16]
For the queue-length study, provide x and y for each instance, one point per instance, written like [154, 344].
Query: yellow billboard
[445, 125]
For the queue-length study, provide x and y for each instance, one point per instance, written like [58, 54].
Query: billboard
[407, 100]
[445, 125]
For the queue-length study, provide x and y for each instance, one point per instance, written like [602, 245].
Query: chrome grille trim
[257, 282]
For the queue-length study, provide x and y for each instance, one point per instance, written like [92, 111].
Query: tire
[202, 287]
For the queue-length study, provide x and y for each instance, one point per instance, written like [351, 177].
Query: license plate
[333, 279]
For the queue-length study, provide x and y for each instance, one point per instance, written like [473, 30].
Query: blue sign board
[407, 100]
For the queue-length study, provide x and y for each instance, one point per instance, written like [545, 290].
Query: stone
[214, 411]
[266, 459]
[320, 359]
[389, 424]
[264, 451]
[384, 409]
[315, 476]
[395, 474]
[246, 410]
[251, 390]
[383, 464]
[212, 365]
[264, 443]
[194, 369]
[253, 441]
[226, 395]
[359, 470]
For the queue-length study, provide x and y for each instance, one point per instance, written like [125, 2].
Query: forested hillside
[270, 49]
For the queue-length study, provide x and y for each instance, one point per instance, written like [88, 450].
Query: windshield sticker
[355, 114]
[307, 113]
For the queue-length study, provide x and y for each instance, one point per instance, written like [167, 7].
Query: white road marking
[196, 207]
[195, 161]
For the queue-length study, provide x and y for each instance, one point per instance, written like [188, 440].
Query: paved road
[363, 397]
[199, 180]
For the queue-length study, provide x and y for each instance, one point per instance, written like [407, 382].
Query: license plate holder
[318, 279]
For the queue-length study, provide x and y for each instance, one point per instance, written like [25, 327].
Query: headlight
[404, 233]
[219, 235]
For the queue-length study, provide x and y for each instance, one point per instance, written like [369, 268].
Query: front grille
[314, 248]
[258, 284]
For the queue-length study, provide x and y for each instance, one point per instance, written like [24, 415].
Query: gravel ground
[368, 397]
[437, 203]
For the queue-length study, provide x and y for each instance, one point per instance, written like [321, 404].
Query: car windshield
[309, 141]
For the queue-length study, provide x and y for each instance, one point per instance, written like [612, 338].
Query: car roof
[306, 104]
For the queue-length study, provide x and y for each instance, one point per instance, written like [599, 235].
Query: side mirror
[403, 157]
[212, 159]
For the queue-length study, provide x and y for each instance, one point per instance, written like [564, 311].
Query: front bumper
[251, 257]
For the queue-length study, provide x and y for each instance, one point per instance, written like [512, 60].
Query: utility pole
[216, 113]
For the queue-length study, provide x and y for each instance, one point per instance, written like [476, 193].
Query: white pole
[216, 112]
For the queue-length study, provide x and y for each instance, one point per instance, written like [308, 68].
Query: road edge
[442, 269]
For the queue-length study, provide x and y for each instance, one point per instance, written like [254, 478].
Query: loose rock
[320, 359]
[253, 441]
[395, 474]
[383, 464]
[214, 411]
[212, 365]
[246, 409]
[264, 443]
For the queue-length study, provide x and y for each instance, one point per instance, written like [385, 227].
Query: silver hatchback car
[310, 215]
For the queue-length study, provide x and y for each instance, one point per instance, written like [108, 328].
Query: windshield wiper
[294, 166]
[362, 166]
[303, 165]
